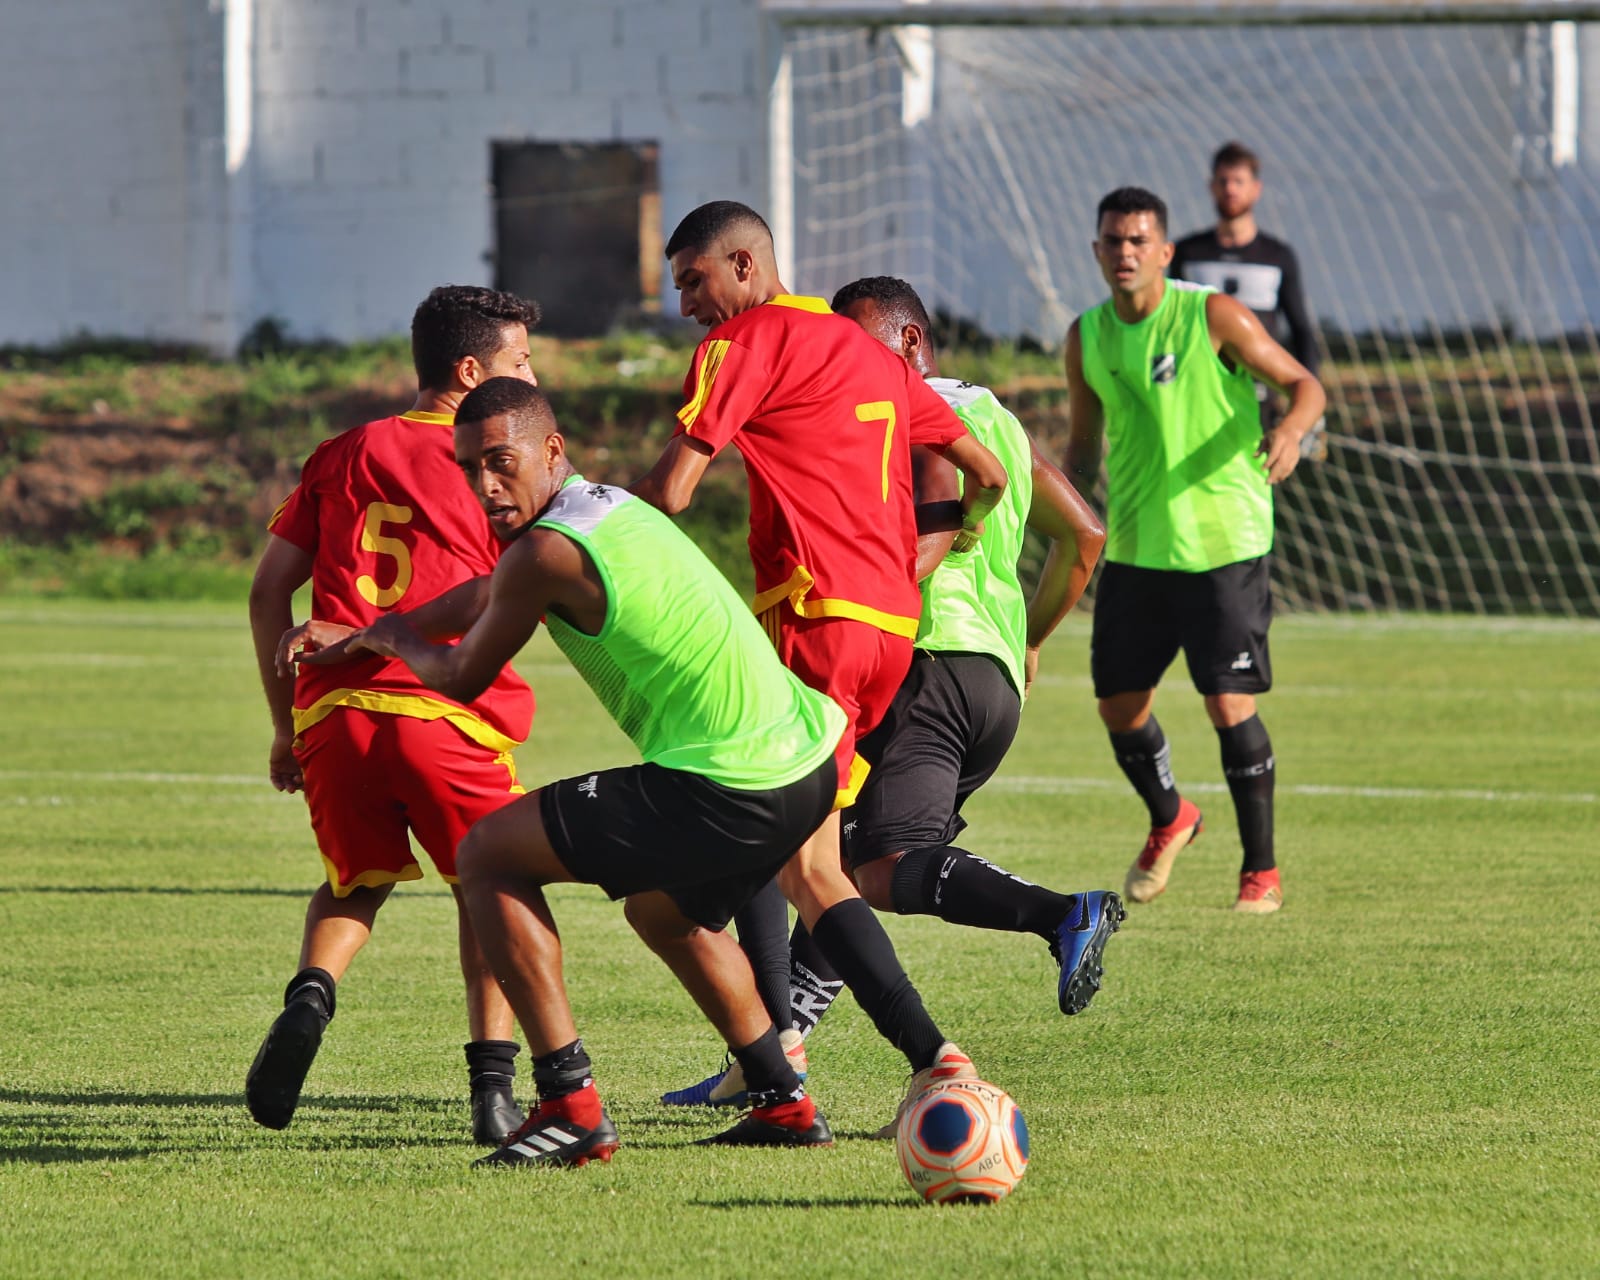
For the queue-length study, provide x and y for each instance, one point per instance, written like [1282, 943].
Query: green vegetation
[1393, 1076]
[1462, 473]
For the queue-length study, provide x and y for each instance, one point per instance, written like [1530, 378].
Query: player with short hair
[380, 519]
[1163, 374]
[1236, 257]
[955, 715]
[825, 419]
[738, 765]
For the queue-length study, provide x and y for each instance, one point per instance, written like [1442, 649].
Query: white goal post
[1435, 164]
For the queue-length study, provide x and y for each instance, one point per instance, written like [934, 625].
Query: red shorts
[855, 664]
[371, 777]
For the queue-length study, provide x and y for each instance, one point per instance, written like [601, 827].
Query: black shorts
[944, 735]
[707, 846]
[1219, 618]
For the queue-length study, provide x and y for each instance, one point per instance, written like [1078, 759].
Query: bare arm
[983, 485]
[1077, 537]
[1240, 339]
[937, 486]
[1086, 420]
[541, 570]
[670, 484]
[446, 616]
[282, 570]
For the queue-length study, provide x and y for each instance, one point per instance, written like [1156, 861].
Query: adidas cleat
[1080, 940]
[549, 1139]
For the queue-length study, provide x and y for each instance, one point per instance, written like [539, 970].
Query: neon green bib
[974, 602]
[681, 664]
[1184, 488]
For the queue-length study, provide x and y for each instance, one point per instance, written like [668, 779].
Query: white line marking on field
[1076, 786]
[1018, 784]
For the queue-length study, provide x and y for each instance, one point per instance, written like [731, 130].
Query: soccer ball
[962, 1142]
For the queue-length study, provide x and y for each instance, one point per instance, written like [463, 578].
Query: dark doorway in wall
[578, 228]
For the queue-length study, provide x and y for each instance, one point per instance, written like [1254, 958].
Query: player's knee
[471, 858]
[657, 920]
[874, 880]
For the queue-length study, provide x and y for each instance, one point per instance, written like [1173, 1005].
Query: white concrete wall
[370, 162]
[109, 110]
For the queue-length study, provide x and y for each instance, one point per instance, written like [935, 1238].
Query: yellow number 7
[880, 411]
[374, 539]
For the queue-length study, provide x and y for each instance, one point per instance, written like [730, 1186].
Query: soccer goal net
[1439, 180]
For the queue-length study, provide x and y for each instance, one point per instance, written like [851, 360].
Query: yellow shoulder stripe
[716, 351]
[801, 302]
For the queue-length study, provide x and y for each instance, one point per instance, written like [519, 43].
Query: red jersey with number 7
[389, 523]
[825, 418]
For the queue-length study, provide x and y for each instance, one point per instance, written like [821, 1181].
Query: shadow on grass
[808, 1202]
[188, 1123]
[186, 891]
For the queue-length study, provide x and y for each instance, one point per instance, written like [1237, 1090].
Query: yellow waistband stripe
[415, 705]
[796, 592]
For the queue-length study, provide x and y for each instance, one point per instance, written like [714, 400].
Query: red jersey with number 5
[825, 418]
[389, 523]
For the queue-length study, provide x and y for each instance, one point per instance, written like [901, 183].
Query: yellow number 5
[374, 539]
[880, 411]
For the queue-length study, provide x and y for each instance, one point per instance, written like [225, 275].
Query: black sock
[565, 1071]
[856, 945]
[769, 1076]
[813, 983]
[491, 1064]
[316, 987]
[763, 925]
[965, 889]
[1251, 771]
[1146, 758]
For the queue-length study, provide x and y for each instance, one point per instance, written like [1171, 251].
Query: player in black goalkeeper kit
[1239, 259]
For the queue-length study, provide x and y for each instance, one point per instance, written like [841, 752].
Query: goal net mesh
[1439, 182]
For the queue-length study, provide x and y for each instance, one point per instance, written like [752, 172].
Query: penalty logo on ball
[962, 1141]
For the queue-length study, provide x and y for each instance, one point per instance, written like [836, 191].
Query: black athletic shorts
[1219, 618]
[709, 847]
[943, 737]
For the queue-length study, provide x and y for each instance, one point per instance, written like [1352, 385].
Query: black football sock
[565, 1071]
[763, 925]
[856, 945]
[768, 1074]
[491, 1064]
[1146, 759]
[314, 986]
[813, 983]
[963, 888]
[1252, 775]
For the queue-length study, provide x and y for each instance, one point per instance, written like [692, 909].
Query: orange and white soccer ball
[962, 1141]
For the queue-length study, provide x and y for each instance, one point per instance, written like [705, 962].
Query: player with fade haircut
[1244, 262]
[825, 419]
[738, 764]
[381, 519]
[1162, 374]
[954, 717]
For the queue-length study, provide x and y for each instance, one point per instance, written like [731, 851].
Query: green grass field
[1395, 1075]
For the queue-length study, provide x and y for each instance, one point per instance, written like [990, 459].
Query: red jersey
[387, 519]
[825, 418]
